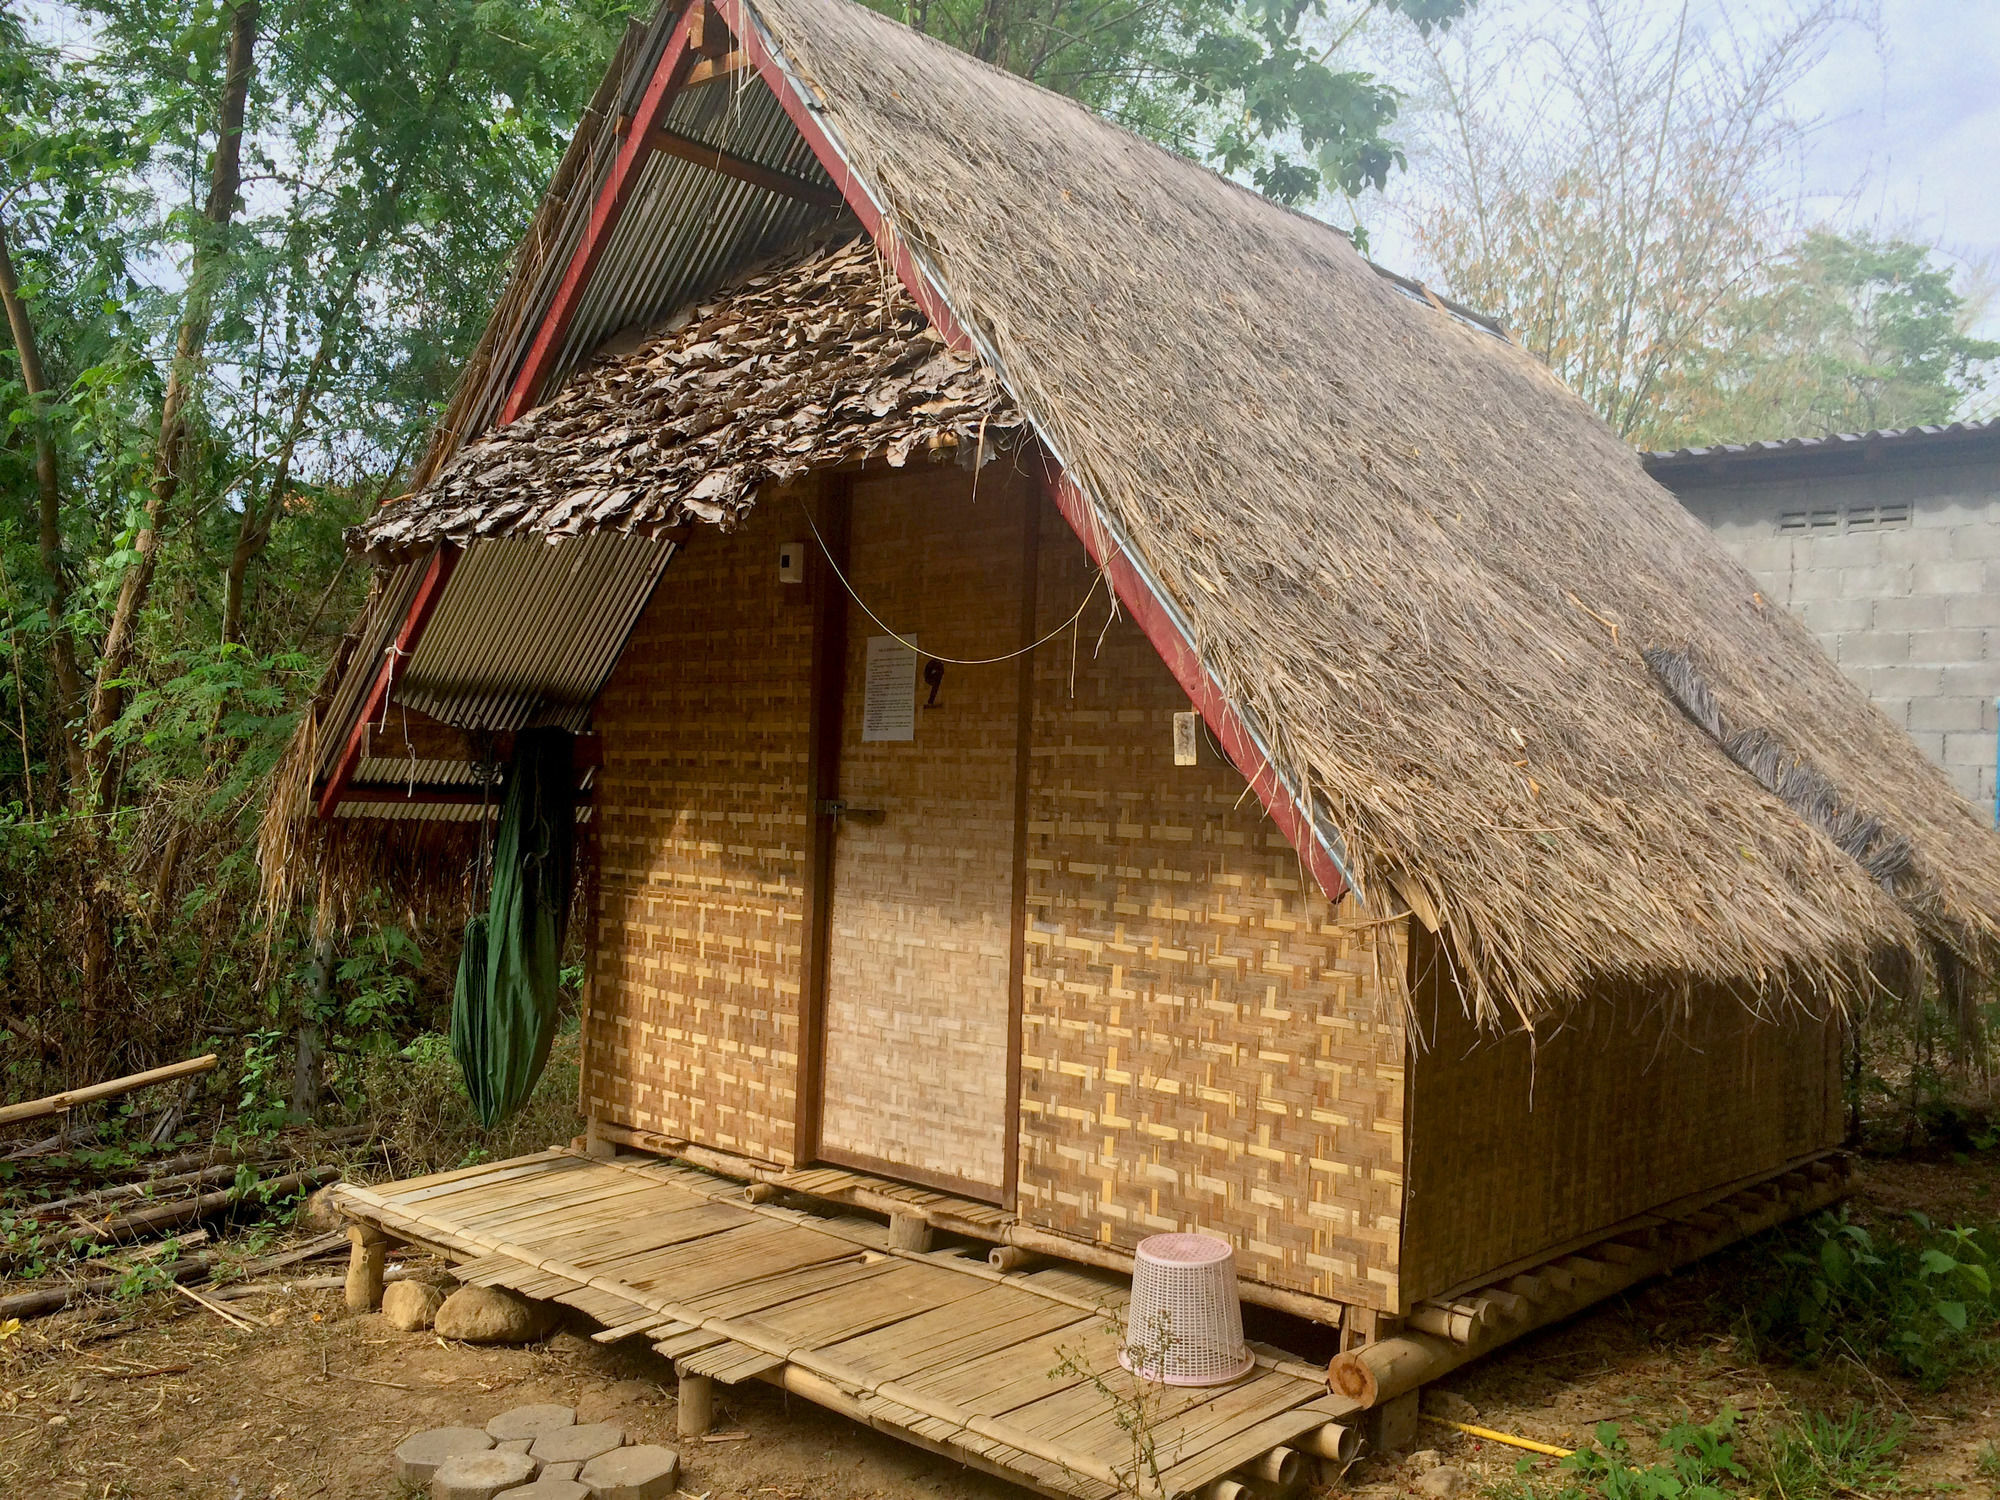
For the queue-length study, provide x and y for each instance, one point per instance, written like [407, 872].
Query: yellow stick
[1500, 1437]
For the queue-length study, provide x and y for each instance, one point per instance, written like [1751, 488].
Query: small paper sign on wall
[1185, 748]
[889, 706]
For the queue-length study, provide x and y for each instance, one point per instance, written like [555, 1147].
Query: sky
[1912, 118]
[1905, 115]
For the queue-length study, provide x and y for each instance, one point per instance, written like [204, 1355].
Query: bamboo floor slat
[1014, 1373]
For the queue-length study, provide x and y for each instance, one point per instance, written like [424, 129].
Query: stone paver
[577, 1444]
[646, 1472]
[559, 1471]
[418, 1455]
[549, 1489]
[530, 1422]
[481, 1476]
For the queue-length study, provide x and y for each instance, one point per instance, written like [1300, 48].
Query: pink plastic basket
[1184, 1325]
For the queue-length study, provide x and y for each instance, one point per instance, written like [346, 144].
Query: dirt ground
[164, 1399]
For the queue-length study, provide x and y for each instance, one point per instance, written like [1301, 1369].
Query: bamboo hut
[1103, 713]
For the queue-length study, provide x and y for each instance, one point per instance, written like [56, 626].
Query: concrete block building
[1887, 544]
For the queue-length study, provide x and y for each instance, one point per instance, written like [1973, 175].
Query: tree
[1851, 333]
[1608, 178]
[1245, 84]
[321, 201]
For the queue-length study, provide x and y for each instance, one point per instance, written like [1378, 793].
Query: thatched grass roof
[1421, 563]
[818, 361]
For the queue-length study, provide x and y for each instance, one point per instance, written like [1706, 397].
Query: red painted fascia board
[429, 591]
[1133, 590]
[668, 77]
[1175, 650]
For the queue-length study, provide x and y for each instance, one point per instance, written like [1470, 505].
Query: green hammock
[503, 1011]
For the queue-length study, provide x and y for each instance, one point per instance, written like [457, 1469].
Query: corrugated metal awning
[528, 631]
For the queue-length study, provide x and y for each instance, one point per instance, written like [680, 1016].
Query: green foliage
[428, 1118]
[392, 155]
[1850, 333]
[1820, 1456]
[1919, 1299]
[1700, 1459]
[1244, 84]
[1813, 1457]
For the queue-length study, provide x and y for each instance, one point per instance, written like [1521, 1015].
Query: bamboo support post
[1012, 1258]
[1281, 1467]
[694, 1405]
[56, 1104]
[365, 1263]
[1229, 1489]
[1338, 1441]
[910, 1232]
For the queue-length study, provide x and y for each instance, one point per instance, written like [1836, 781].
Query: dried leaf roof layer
[1424, 566]
[808, 365]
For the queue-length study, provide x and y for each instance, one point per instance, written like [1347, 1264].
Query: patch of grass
[1816, 1456]
[1820, 1455]
[1700, 1464]
[1916, 1298]
[1987, 1463]
[428, 1119]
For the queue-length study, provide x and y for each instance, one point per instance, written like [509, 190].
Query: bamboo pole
[56, 1104]
[185, 1210]
[1387, 1368]
[194, 1268]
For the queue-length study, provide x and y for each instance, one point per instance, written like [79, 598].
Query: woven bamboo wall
[1516, 1148]
[918, 993]
[1207, 1043]
[692, 1022]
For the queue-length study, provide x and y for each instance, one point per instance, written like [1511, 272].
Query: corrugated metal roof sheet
[683, 232]
[1831, 442]
[528, 631]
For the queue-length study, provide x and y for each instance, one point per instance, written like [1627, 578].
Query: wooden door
[920, 1029]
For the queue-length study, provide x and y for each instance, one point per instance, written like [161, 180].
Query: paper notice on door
[889, 708]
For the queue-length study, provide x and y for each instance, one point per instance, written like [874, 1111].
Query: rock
[418, 1456]
[619, 1396]
[1449, 1405]
[559, 1471]
[318, 1214]
[480, 1476]
[411, 1306]
[548, 1489]
[577, 1444]
[489, 1315]
[516, 1445]
[530, 1422]
[1444, 1482]
[1426, 1459]
[647, 1472]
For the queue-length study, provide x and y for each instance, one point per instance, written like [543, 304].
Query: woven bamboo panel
[1517, 1146]
[917, 1001]
[692, 1023]
[1208, 1044]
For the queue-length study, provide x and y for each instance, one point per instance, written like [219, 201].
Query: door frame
[825, 720]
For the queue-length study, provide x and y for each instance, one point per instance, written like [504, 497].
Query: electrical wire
[950, 661]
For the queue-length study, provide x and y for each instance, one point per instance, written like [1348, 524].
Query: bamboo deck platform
[1014, 1373]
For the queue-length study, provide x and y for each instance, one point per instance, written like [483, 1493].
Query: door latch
[861, 817]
